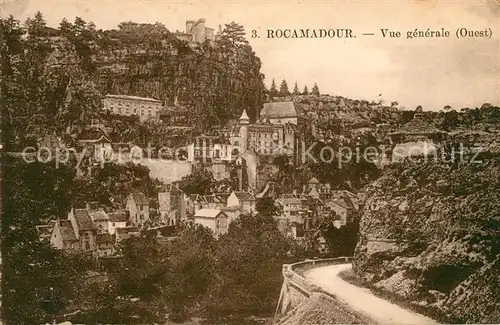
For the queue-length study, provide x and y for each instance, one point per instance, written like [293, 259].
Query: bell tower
[244, 122]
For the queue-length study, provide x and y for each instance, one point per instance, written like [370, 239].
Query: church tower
[244, 122]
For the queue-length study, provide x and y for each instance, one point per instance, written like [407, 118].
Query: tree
[315, 90]
[192, 265]
[36, 26]
[305, 91]
[266, 207]
[200, 182]
[273, 91]
[248, 269]
[296, 89]
[284, 89]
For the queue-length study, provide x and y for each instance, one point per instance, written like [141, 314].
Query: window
[113, 224]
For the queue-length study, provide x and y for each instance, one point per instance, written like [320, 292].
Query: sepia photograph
[291, 162]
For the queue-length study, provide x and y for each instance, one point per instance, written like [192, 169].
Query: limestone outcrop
[430, 234]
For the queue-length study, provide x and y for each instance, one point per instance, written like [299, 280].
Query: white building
[214, 219]
[144, 107]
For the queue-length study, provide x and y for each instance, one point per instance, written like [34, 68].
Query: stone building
[197, 32]
[144, 107]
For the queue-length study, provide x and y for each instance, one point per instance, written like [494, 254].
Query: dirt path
[361, 299]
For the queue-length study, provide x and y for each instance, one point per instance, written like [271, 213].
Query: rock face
[430, 234]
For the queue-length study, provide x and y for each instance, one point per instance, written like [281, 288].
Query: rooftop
[127, 97]
[313, 180]
[279, 110]
[67, 231]
[98, 215]
[208, 213]
[117, 216]
[244, 196]
[140, 198]
[83, 220]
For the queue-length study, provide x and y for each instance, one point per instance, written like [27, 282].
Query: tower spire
[244, 119]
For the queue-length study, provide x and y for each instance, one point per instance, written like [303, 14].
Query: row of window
[262, 135]
[127, 111]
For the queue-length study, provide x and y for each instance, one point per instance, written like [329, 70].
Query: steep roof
[117, 216]
[244, 196]
[222, 197]
[244, 115]
[173, 189]
[98, 215]
[313, 180]
[279, 110]
[208, 213]
[140, 198]
[83, 220]
[67, 231]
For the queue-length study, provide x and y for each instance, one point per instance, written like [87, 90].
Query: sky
[431, 72]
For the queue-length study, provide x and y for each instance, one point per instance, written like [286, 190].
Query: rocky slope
[430, 234]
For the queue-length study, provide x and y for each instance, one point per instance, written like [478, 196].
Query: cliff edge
[430, 234]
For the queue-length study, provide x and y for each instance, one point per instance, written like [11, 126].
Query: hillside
[429, 234]
[55, 78]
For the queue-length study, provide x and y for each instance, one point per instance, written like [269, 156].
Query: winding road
[361, 299]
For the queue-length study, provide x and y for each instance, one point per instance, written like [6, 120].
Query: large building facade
[144, 107]
[262, 138]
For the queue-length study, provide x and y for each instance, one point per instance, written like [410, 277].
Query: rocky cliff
[429, 234]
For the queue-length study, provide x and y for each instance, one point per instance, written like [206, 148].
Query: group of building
[97, 231]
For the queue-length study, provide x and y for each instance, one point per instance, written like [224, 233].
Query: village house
[172, 205]
[100, 219]
[63, 236]
[138, 209]
[95, 143]
[341, 209]
[117, 219]
[246, 201]
[214, 219]
[126, 232]
[105, 245]
[84, 228]
[45, 231]
[76, 234]
[197, 202]
[292, 207]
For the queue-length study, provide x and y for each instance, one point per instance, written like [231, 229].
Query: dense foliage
[443, 218]
[53, 79]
